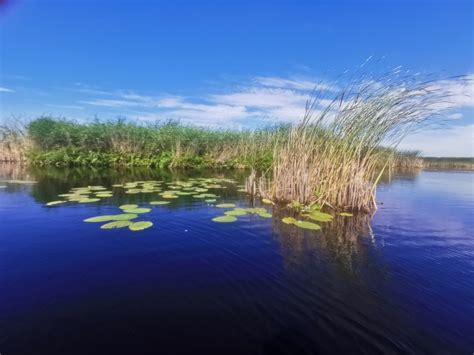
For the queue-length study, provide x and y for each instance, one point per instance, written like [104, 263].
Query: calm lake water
[400, 283]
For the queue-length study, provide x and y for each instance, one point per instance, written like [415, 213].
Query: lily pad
[54, 203]
[320, 216]
[126, 207]
[235, 213]
[267, 201]
[211, 200]
[307, 225]
[288, 220]
[169, 196]
[265, 215]
[88, 200]
[226, 205]
[116, 224]
[157, 203]
[137, 210]
[224, 219]
[104, 218]
[138, 226]
[346, 214]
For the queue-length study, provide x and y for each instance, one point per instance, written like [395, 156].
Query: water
[402, 284]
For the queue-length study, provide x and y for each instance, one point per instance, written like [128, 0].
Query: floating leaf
[116, 224]
[226, 205]
[211, 200]
[138, 226]
[97, 188]
[169, 196]
[159, 202]
[224, 219]
[54, 203]
[137, 210]
[346, 214]
[88, 200]
[265, 215]
[104, 218]
[267, 201]
[235, 213]
[104, 195]
[307, 225]
[288, 220]
[132, 191]
[319, 216]
[126, 207]
[124, 216]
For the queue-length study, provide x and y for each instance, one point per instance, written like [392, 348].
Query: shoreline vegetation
[333, 158]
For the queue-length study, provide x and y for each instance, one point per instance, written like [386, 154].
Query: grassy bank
[60, 142]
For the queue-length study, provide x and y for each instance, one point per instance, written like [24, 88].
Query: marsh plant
[336, 155]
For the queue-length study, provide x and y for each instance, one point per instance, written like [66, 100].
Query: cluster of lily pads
[197, 188]
[231, 216]
[124, 219]
[313, 212]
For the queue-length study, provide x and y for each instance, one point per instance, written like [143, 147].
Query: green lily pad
[116, 224]
[265, 215]
[169, 196]
[104, 195]
[224, 219]
[267, 201]
[138, 226]
[346, 214]
[226, 205]
[319, 216]
[137, 210]
[235, 213]
[159, 203]
[89, 200]
[211, 200]
[124, 216]
[104, 218]
[307, 225]
[288, 220]
[97, 188]
[126, 207]
[54, 203]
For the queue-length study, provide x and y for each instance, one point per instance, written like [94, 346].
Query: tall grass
[14, 141]
[334, 157]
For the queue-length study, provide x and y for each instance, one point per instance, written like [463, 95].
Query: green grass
[61, 142]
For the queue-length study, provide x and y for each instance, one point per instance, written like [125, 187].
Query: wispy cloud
[4, 89]
[446, 142]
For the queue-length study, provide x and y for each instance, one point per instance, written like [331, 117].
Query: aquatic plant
[336, 154]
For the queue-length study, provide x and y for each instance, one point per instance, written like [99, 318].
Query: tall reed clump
[335, 155]
[14, 141]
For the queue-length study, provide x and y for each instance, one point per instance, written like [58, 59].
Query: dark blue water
[402, 282]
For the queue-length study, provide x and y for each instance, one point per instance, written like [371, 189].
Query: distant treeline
[448, 163]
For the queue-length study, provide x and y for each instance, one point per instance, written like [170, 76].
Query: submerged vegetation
[333, 158]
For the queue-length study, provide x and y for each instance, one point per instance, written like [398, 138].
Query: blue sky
[223, 63]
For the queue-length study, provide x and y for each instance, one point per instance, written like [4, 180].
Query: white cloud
[454, 116]
[4, 89]
[455, 141]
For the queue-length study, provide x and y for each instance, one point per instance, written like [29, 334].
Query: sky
[230, 64]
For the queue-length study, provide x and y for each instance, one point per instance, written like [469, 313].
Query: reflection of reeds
[341, 239]
[335, 155]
